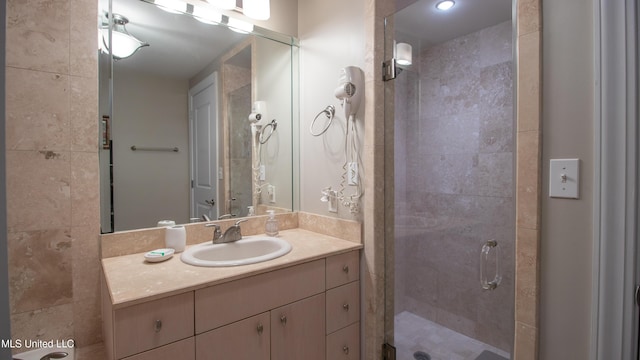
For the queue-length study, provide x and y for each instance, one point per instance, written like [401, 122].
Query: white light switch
[564, 178]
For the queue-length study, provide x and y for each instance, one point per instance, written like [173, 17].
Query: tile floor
[413, 333]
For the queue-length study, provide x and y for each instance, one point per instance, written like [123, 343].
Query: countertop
[131, 280]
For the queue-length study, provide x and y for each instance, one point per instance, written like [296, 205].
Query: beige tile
[83, 114]
[53, 323]
[131, 242]
[527, 281]
[529, 93]
[83, 26]
[373, 303]
[87, 325]
[526, 342]
[38, 35]
[529, 16]
[91, 352]
[86, 263]
[38, 190]
[85, 190]
[42, 124]
[39, 269]
[528, 182]
[340, 228]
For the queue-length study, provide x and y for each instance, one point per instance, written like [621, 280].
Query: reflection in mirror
[176, 136]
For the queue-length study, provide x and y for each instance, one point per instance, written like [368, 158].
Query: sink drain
[421, 355]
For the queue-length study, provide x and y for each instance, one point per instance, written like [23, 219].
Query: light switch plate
[564, 178]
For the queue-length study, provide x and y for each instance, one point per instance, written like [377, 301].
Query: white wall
[332, 36]
[272, 61]
[566, 244]
[149, 185]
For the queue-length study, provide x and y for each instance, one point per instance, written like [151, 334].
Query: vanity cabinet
[343, 307]
[248, 339]
[307, 311]
[298, 330]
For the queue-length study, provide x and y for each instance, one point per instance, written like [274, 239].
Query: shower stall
[450, 263]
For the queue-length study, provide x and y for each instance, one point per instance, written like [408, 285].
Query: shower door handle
[490, 265]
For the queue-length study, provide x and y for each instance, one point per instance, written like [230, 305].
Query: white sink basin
[249, 250]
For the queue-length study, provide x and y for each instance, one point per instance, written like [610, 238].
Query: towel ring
[329, 112]
[273, 125]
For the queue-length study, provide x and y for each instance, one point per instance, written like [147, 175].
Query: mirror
[177, 143]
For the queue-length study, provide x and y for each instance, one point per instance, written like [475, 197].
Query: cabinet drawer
[246, 339]
[145, 326]
[343, 269]
[343, 306]
[223, 304]
[344, 344]
[183, 349]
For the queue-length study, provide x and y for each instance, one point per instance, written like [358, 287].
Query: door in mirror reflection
[203, 110]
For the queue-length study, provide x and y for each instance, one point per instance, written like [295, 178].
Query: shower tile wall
[456, 189]
[238, 85]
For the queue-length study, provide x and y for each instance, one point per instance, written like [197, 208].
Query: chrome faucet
[217, 233]
[232, 234]
[226, 216]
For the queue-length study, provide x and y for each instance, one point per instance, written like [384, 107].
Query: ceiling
[423, 22]
[180, 46]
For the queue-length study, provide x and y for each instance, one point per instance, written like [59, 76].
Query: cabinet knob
[345, 350]
[260, 329]
[345, 269]
[283, 319]
[345, 307]
[158, 325]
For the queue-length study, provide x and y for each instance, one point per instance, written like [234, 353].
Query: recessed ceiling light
[445, 5]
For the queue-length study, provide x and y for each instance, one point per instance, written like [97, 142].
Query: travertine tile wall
[458, 156]
[52, 169]
[528, 178]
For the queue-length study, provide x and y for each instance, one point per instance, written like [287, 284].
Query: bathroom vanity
[303, 305]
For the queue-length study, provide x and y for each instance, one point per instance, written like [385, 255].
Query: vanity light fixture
[240, 26]
[445, 5]
[404, 54]
[223, 4]
[172, 6]
[256, 9]
[124, 44]
[206, 15]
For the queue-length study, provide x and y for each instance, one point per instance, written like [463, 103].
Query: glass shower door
[450, 264]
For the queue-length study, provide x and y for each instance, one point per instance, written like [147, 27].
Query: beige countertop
[131, 280]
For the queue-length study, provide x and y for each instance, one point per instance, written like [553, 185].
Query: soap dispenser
[271, 226]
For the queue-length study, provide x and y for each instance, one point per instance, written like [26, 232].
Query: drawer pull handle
[345, 350]
[260, 329]
[158, 325]
[345, 307]
[283, 319]
[345, 269]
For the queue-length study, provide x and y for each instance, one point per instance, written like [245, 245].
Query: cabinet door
[183, 350]
[298, 330]
[243, 340]
[152, 324]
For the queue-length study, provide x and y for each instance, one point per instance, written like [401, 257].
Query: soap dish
[159, 255]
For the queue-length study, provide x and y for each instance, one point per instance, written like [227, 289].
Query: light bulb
[445, 5]
[256, 9]
[207, 15]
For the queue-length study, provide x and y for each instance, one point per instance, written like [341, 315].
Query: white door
[203, 115]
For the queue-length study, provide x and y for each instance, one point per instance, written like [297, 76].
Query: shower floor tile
[413, 333]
